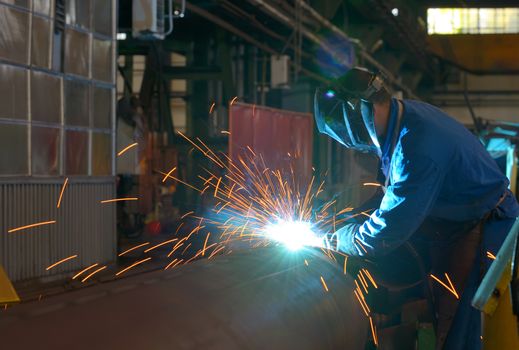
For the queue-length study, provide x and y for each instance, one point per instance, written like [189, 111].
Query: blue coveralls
[438, 172]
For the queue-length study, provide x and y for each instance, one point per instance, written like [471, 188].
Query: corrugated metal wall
[57, 119]
[83, 226]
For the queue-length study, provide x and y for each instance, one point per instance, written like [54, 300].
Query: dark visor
[342, 120]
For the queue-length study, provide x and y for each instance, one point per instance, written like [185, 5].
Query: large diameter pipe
[265, 298]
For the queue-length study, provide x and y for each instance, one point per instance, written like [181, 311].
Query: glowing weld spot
[293, 234]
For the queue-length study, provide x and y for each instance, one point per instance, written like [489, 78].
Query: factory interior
[259, 174]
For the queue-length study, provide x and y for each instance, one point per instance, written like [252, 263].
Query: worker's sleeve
[355, 216]
[416, 182]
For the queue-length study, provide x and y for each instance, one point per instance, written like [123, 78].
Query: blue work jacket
[438, 169]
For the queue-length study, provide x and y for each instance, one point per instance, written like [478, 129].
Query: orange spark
[225, 132]
[452, 286]
[186, 214]
[205, 243]
[133, 248]
[171, 263]
[119, 200]
[32, 225]
[449, 288]
[361, 303]
[178, 245]
[178, 228]
[132, 266]
[365, 287]
[363, 300]
[491, 256]
[373, 331]
[182, 182]
[84, 270]
[324, 284]
[61, 193]
[193, 257]
[177, 263]
[60, 262]
[211, 109]
[217, 185]
[233, 100]
[372, 184]
[223, 206]
[126, 148]
[370, 278]
[361, 245]
[345, 210]
[186, 248]
[93, 273]
[363, 280]
[357, 284]
[216, 251]
[345, 263]
[160, 244]
[169, 173]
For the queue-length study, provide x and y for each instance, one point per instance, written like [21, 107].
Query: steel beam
[192, 73]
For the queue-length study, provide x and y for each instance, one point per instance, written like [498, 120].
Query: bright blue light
[293, 234]
[330, 93]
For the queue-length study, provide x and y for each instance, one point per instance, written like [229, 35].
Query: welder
[443, 193]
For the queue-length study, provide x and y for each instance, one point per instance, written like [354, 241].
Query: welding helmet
[344, 111]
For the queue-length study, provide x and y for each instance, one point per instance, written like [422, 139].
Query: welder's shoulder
[428, 131]
[426, 117]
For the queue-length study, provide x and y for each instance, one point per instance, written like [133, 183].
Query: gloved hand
[343, 240]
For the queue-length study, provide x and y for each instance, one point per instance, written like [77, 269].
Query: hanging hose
[172, 15]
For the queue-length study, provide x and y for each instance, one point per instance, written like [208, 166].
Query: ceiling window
[473, 20]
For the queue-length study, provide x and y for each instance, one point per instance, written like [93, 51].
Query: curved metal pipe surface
[264, 298]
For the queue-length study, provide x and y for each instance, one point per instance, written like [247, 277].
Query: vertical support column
[225, 61]
[197, 113]
[197, 124]
[164, 91]
[128, 75]
[250, 69]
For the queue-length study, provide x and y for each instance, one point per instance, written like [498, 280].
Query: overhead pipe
[250, 39]
[363, 51]
[265, 298]
[290, 22]
[317, 40]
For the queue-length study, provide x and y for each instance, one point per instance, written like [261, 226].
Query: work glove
[343, 240]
